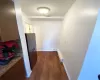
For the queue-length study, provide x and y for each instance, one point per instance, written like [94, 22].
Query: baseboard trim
[60, 55]
[66, 71]
[62, 60]
[46, 50]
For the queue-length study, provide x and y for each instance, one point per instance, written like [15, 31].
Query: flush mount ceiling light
[43, 10]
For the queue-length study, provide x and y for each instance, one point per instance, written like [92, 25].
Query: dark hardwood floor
[47, 66]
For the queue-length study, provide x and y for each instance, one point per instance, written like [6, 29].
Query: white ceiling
[58, 7]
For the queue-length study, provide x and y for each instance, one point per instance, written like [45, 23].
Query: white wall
[91, 66]
[20, 24]
[26, 20]
[77, 30]
[47, 34]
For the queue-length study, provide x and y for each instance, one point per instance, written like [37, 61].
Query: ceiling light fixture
[43, 10]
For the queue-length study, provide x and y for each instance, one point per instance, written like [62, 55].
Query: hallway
[47, 67]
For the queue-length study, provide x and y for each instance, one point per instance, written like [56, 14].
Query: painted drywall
[22, 37]
[25, 18]
[91, 66]
[47, 34]
[29, 33]
[27, 21]
[78, 26]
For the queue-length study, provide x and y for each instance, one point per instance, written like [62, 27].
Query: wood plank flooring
[47, 66]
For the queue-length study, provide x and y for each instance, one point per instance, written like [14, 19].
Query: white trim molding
[66, 70]
[60, 56]
[62, 61]
[42, 18]
[39, 17]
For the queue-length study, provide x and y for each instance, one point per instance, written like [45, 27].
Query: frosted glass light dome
[43, 10]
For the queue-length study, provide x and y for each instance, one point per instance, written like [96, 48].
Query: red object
[7, 46]
[11, 43]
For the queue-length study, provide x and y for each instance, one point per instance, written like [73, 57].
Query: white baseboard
[47, 50]
[60, 55]
[67, 71]
[29, 74]
[62, 60]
